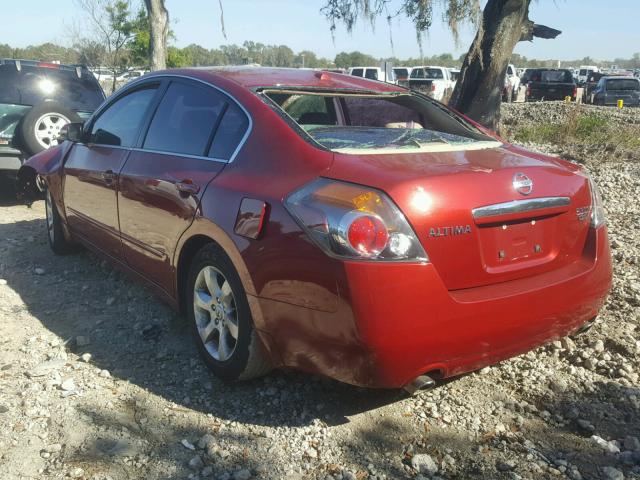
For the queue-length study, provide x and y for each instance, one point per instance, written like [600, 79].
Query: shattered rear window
[340, 138]
[377, 123]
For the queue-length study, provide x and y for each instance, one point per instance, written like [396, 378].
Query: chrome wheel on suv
[47, 128]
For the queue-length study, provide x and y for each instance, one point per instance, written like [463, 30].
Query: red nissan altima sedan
[329, 223]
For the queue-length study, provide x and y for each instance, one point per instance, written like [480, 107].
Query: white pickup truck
[433, 81]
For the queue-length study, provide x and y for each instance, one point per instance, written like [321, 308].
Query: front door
[90, 195]
[91, 170]
[162, 182]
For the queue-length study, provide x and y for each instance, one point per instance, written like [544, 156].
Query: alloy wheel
[215, 313]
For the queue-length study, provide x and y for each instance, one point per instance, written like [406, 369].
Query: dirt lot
[99, 380]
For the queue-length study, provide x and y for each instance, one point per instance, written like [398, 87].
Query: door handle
[108, 176]
[187, 187]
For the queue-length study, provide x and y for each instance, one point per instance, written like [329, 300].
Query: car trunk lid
[475, 225]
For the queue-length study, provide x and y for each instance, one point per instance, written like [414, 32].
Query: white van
[585, 71]
[373, 73]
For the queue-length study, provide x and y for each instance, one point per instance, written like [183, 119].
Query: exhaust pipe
[423, 382]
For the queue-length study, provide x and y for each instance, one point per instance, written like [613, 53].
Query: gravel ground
[99, 380]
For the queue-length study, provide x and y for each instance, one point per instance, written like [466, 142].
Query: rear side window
[120, 123]
[357, 72]
[623, 84]
[185, 120]
[372, 73]
[33, 85]
[230, 133]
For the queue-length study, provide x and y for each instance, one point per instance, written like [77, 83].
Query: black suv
[36, 100]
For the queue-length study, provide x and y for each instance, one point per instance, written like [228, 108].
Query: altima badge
[447, 231]
[522, 184]
[583, 213]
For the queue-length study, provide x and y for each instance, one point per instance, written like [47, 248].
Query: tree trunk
[478, 92]
[159, 23]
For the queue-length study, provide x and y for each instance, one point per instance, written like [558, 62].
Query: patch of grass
[580, 127]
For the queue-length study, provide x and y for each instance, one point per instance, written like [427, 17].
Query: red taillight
[433, 87]
[354, 222]
[367, 235]
[48, 65]
[528, 92]
[575, 92]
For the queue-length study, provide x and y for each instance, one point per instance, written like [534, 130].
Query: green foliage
[353, 59]
[139, 45]
[581, 127]
[178, 58]
[420, 12]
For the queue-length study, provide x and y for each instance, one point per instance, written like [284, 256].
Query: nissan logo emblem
[522, 184]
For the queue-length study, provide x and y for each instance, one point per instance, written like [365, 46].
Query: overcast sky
[590, 28]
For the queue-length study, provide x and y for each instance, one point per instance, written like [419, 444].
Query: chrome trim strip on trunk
[520, 206]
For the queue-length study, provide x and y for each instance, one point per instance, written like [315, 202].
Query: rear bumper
[398, 321]
[549, 96]
[11, 159]
[629, 102]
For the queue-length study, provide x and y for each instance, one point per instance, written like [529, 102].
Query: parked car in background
[373, 73]
[584, 72]
[507, 90]
[101, 73]
[610, 89]
[37, 99]
[402, 75]
[589, 86]
[514, 81]
[550, 84]
[131, 75]
[433, 81]
[525, 76]
[332, 224]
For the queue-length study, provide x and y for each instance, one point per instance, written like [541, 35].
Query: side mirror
[72, 132]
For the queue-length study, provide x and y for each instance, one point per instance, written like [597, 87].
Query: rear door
[193, 133]
[91, 169]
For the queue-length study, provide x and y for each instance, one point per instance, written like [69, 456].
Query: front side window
[120, 123]
[185, 119]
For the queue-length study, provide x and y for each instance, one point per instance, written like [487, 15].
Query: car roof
[253, 78]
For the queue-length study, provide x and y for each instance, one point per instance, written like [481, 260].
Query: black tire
[55, 233]
[247, 359]
[27, 127]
